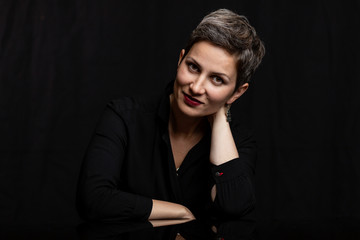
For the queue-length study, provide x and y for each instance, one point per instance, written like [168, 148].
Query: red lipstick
[193, 102]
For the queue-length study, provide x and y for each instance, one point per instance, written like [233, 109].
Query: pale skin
[208, 75]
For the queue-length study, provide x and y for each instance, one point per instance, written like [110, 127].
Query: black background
[62, 61]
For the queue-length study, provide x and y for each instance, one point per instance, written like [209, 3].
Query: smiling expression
[205, 80]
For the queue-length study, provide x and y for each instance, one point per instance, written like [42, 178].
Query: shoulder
[135, 104]
[148, 103]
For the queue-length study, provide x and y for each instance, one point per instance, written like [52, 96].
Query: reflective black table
[169, 229]
[178, 230]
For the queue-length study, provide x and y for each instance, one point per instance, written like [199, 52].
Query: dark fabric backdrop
[62, 61]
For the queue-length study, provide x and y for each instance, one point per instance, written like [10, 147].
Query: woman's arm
[100, 196]
[233, 166]
[223, 148]
[169, 210]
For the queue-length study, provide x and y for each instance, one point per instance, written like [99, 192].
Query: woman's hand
[219, 117]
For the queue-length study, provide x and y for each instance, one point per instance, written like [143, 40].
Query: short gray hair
[234, 33]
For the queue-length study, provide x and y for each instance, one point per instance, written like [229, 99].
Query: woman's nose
[197, 86]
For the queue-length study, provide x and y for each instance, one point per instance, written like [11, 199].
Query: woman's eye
[217, 80]
[193, 67]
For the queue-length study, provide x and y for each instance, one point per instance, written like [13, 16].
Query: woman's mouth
[191, 101]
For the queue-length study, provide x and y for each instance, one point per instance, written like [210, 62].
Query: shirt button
[218, 174]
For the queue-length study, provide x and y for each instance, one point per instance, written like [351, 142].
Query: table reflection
[169, 229]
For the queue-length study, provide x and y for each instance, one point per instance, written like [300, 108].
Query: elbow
[236, 207]
[91, 206]
[107, 205]
[88, 210]
[92, 214]
[235, 199]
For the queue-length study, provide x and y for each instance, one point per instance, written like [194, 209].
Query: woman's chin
[192, 112]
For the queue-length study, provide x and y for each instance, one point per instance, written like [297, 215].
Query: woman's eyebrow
[199, 66]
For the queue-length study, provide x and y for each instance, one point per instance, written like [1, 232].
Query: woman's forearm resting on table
[169, 210]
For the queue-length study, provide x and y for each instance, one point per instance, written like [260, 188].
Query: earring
[228, 114]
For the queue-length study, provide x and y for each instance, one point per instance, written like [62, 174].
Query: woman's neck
[181, 125]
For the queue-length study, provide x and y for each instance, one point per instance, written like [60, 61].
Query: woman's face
[205, 80]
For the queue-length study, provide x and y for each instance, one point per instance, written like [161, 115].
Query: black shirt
[129, 162]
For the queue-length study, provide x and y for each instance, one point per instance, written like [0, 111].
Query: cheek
[218, 97]
[183, 77]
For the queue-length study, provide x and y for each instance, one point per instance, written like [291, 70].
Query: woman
[178, 155]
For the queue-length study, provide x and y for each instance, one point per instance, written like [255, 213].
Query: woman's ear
[240, 91]
[182, 53]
